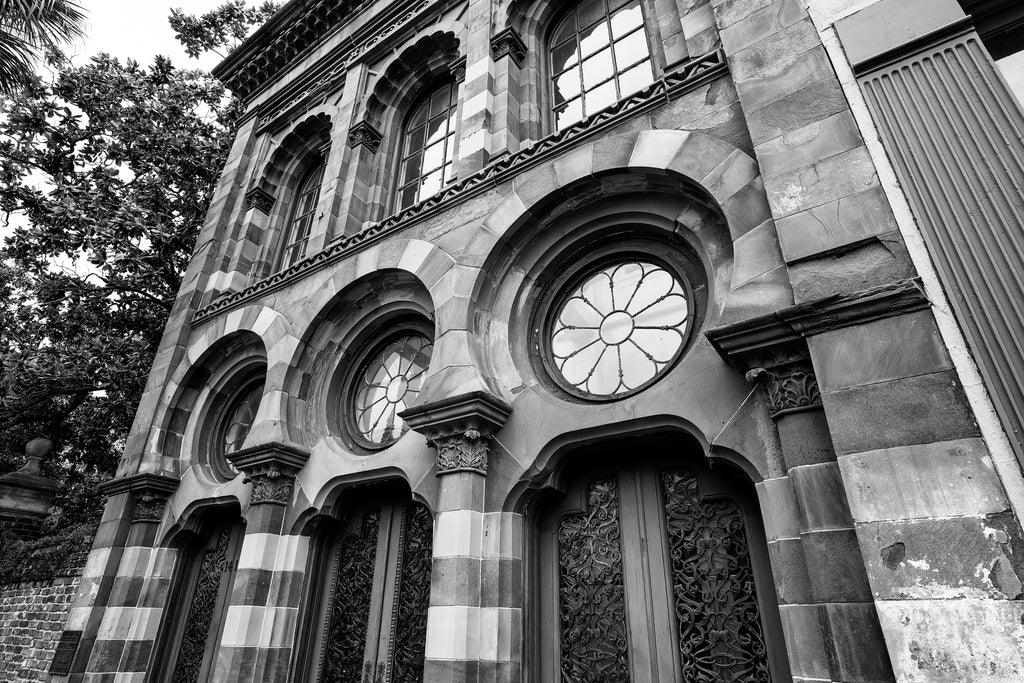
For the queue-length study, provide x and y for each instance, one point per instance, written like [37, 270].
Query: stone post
[460, 629]
[25, 494]
[264, 602]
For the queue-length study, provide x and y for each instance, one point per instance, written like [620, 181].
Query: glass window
[386, 385]
[599, 54]
[619, 328]
[303, 213]
[428, 146]
[239, 418]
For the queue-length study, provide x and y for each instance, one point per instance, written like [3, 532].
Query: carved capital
[460, 429]
[508, 42]
[366, 135]
[149, 494]
[791, 386]
[271, 469]
[457, 67]
[259, 199]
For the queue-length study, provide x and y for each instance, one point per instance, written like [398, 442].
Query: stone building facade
[597, 341]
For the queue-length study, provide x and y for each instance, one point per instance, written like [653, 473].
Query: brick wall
[32, 614]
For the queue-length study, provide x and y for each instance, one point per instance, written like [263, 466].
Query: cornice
[742, 344]
[687, 77]
[144, 481]
[460, 429]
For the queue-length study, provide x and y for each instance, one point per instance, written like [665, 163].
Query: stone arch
[201, 389]
[420, 66]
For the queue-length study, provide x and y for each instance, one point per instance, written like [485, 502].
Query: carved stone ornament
[271, 469]
[366, 135]
[508, 42]
[259, 199]
[457, 68]
[460, 429]
[791, 387]
[149, 493]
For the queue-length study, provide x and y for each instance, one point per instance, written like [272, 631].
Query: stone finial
[271, 469]
[508, 42]
[26, 494]
[460, 429]
[363, 133]
[149, 494]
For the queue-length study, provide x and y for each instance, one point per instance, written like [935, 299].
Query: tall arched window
[428, 146]
[302, 213]
[599, 54]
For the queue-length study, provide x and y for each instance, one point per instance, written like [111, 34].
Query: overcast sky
[138, 29]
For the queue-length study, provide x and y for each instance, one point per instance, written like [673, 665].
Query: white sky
[138, 29]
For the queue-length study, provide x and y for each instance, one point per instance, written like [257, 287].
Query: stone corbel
[271, 469]
[259, 199]
[508, 42]
[457, 68]
[149, 494]
[460, 429]
[363, 133]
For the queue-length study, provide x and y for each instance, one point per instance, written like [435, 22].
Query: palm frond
[28, 29]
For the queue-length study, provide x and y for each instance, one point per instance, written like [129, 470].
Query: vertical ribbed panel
[956, 138]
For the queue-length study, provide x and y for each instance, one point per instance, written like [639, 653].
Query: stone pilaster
[463, 633]
[271, 564]
[829, 619]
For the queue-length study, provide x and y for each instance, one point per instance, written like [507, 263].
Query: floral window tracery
[387, 384]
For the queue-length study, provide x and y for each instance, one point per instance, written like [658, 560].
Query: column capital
[460, 428]
[457, 67]
[363, 133]
[508, 42]
[790, 382]
[149, 492]
[271, 469]
[259, 199]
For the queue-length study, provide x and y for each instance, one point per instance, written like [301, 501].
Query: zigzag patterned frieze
[687, 77]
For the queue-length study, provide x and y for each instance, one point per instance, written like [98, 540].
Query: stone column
[124, 586]
[259, 622]
[462, 632]
[828, 615]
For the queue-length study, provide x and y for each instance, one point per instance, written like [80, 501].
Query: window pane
[597, 69]
[418, 116]
[569, 114]
[590, 11]
[631, 50]
[566, 29]
[413, 168]
[407, 197]
[567, 86]
[600, 97]
[415, 139]
[636, 78]
[433, 156]
[593, 40]
[627, 19]
[564, 56]
[439, 101]
[430, 184]
[436, 130]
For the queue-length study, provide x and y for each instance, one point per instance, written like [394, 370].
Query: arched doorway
[368, 591]
[653, 568]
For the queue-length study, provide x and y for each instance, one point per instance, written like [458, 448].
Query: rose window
[387, 385]
[619, 328]
[240, 417]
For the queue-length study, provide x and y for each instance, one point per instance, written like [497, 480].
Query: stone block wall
[32, 615]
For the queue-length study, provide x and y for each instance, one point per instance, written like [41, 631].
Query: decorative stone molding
[25, 494]
[791, 386]
[363, 133]
[259, 199]
[149, 493]
[457, 68]
[508, 42]
[686, 78]
[460, 429]
[271, 469]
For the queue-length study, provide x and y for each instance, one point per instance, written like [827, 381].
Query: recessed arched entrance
[652, 567]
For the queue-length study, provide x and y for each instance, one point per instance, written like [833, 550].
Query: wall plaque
[66, 648]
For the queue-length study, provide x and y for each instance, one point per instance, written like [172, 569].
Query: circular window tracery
[385, 385]
[239, 418]
[618, 328]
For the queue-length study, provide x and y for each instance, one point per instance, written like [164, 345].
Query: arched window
[599, 54]
[303, 212]
[428, 146]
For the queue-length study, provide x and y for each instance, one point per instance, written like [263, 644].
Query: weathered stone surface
[820, 494]
[878, 351]
[901, 412]
[761, 24]
[790, 570]
[839, 176]
[950, 558]
[873, 263]
[805, 438]
[802, 625]
[778, 48]
[926, 480]
[805, 146]
[835, 224]
[854, 642]
[962, 641]
[835, 567]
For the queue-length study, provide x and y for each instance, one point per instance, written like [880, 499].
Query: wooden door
[375, 617]
[646, 575]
